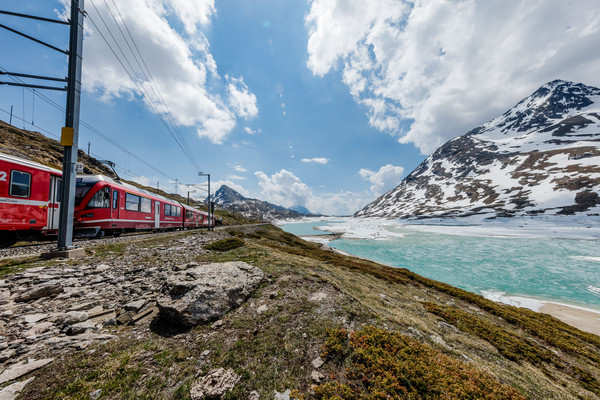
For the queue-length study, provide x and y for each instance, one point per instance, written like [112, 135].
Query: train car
[106, 207]
[195, 218]
[29, 200]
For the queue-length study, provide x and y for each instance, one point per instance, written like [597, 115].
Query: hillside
[320, 326]
[540, 157]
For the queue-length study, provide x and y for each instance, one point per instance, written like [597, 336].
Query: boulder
[204, 293]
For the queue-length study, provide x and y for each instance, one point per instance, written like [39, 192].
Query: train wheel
[7, 239]
[117, 232]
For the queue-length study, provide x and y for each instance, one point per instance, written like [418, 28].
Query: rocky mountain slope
[540, 157]
[233, 201]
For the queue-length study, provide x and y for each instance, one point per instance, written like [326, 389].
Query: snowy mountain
[540, 157]
[231, 200]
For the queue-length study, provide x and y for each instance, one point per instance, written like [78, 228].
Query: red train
[30, 203]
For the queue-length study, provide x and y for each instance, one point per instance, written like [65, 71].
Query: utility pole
[70, 133]
[209, 203]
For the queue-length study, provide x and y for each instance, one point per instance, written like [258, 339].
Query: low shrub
[225, 244]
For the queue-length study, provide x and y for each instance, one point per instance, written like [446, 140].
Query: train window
[132, 202]
[146, 205]
[58, 190]
[101, 199]
[189, 214]
[167, 209]
[115, 203]
[20, 183]
[81, 189]
[177, 211]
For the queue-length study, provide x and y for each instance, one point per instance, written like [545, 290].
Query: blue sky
[322, 103]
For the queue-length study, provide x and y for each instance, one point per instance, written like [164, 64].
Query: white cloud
[183, 70]
[450, 65]
[387, 178]
[250, 131]
[239, 168]
[240, 99]
[285, 189]
[317, 160]
[236, 177]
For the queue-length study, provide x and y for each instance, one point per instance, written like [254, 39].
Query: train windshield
[81, 189]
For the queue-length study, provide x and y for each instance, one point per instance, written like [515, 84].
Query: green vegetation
[225, 244]
[378, 364]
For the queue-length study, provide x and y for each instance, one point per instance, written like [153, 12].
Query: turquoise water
[306, 228]
[546, 269]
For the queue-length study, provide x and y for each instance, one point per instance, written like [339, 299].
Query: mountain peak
[541, 156]
[226, 195]
[552, 102]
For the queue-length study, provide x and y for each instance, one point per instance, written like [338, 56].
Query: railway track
[36, 248]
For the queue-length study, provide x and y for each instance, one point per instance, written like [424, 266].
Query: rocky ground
[254, 313]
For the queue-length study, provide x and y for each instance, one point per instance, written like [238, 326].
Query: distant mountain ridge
[232, 200]
[540, 157]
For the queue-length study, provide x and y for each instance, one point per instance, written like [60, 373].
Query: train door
[157, 214]
[54, 202]
[114, 213]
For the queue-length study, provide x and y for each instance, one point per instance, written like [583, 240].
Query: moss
[225, 244]
[379, 364]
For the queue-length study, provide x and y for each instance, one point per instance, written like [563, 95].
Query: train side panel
[24, 191]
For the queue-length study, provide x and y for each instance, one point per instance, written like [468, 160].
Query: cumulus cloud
[316, 160]
[430, 70]
[285, 189]
[183, 73]
[387, 178]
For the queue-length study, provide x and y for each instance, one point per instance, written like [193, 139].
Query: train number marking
[3, 176]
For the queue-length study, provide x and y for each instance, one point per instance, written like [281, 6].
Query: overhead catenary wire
[88, 126]
[158, 106]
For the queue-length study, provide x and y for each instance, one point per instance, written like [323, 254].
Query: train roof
[186, 207]
[99, 178]
[28, 163]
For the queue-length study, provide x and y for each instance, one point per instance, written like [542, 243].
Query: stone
[72, 317]
[254, 395]
[261, 309]
[282, 396]
[18, 370]
[39, 292]
[7, 354]
[81, 327]
[135, 306]
[214, 385]
[95, 394]
[38, 329]
[205, 293]
[34, 318]
[316, 376]
[11, 392]
[317, 363]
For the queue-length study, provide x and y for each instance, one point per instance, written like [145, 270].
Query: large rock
[206, 292]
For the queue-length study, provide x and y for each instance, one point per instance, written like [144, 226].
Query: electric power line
[169, 124]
